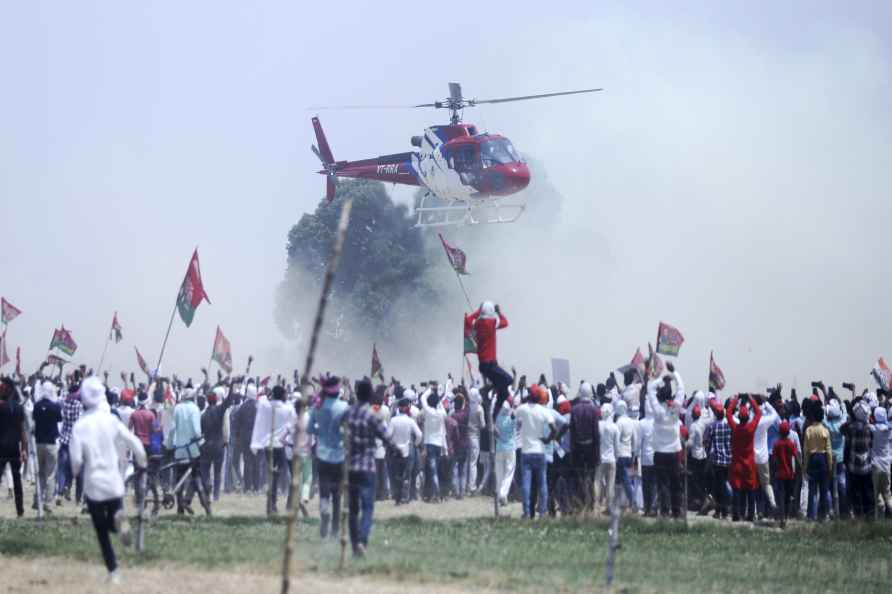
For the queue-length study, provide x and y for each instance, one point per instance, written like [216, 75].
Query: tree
[383, 261]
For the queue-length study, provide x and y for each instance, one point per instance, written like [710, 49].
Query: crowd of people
[645, 447]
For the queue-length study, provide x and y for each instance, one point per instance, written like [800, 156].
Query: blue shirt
[506, 424]
[325, 424]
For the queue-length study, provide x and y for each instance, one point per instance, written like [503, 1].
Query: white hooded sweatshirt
[95, 442]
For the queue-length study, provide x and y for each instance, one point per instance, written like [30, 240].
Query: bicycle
[174, 496]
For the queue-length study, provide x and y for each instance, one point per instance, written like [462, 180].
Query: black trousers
[212, 463]
[719, 489]
[861, 495]
[330, 497]
[668, 482]
[399, 482]
[251, 471]
[649, 488]
[15, 465]
[586, 464]
[280, 467]
[696, 482]
[786, 489]
[103, 515]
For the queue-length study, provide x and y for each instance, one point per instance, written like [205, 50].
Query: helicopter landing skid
[462, 212]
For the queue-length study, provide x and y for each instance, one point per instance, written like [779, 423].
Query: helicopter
[466, 174]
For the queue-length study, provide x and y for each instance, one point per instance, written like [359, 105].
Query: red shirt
[784, 451]
[486, 334]
[742, 472]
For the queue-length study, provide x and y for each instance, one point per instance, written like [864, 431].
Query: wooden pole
[288, 552]
[104, 351]
[166, 336]
[345, 493]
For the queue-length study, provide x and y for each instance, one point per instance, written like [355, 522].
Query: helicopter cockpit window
[462, 159]
[498, 151]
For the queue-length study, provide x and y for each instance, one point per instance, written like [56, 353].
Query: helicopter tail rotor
[326, 157]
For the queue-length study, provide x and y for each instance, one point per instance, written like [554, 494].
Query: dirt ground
[64, 576]
[255, 505]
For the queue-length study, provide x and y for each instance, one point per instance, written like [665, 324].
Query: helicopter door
[464, 161]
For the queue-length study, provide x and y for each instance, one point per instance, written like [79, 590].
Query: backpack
[156, 437]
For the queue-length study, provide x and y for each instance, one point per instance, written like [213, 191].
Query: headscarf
[92, 392]
[621, 407]
[488, 311]
[585, 391]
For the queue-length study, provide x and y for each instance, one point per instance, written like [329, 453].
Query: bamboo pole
[288, 552]
[345, 504]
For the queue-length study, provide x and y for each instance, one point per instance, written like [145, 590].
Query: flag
[470, 346]
[191, 291]
[18, 360]
[265, 381]
[142, 362]
[9, 311]
[636, 364]
[882, 374]
[457, 258]
[4, 358]
[222, 351]
[716, 377]
[656, 364]
[55, 360]
[669, 340]
[377, 369]
[115, 332]
[63, 341]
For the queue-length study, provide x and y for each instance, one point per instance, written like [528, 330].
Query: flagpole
[166, 336]
[327, 281]
[104, 351]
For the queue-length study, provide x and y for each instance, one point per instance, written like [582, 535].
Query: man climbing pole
[485, 322]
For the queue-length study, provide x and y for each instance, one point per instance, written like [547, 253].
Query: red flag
[656, 364]
[457, 258]
[191, 291]
[669, 339]
[116, 332]
[716, 377]
[18, 360]
[636, 364]
[265, 381]
[142, 362]
[222, 351]
[8, 311]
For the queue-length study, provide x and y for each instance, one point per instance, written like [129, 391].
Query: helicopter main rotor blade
[331, 107]
[525, 97]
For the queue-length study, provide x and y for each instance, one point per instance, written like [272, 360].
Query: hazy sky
[739, 167]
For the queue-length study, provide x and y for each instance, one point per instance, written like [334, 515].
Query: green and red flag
[377, 368]
[222, 351]
[457, 258]
[716, 376]
[669, 340]
[116, 331]
[656, 364]
[191, 291]
[8, 311]
[63, 341]
[141, 362]
[470, 334]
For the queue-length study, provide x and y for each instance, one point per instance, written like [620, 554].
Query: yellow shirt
[817, 441]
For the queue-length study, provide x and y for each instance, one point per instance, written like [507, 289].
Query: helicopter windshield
[498, 151]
